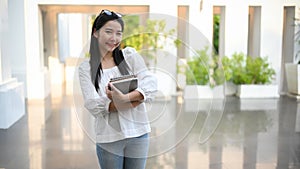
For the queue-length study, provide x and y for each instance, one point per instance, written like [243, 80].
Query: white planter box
[230, 89]
[203, 92]
[257, 91]
[293, 78]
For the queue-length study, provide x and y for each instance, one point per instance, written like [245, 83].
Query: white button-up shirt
[119, 125]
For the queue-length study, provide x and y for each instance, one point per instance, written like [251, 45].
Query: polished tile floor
[231, 133]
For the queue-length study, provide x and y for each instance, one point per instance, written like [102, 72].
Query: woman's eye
[108, 32]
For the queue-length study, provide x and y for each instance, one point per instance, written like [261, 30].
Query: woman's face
[109, 36]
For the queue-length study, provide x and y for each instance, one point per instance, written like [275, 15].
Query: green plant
[149, 38]
[216, 30]
[248, 70]
[226, 64]
[198, 69]
[217, 71]
[204, 69]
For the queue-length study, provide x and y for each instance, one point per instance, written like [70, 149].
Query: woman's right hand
[119, 101]
[115, 94]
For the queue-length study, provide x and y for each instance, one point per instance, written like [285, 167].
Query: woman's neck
[107, 56]
[107, 60]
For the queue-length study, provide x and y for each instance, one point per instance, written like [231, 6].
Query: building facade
[30, 36]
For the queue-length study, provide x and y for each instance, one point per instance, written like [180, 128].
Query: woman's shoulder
[84, 65]
[131, 55]
[129, 51]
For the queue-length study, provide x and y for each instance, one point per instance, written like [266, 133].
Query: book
[125, 84]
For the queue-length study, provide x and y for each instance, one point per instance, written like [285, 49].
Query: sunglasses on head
[110, 13]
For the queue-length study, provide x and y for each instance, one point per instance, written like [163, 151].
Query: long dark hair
[95, 56]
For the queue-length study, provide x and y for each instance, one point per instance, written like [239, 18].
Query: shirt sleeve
[147, 82]
[93, 102]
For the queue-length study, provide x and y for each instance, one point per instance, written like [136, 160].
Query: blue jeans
[129, 153]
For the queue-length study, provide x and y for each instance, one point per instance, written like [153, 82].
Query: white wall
[5, 70]
[38, 81]
[236, 27]
[271, 33]
[12, 58]
[236, 24]
[16, 39]
[70, 40]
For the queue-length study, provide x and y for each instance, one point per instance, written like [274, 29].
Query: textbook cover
[125, 83]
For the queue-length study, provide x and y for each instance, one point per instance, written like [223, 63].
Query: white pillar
[0, 59]
[16, 40]
[4, 35]
[236, 27]
[165, 70]
[201, 24]
[271, 36]
[38, 76]
[12, 100]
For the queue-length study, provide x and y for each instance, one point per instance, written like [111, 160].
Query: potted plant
[230, 87]
[252, 76]
[204, 76]
[152, 41]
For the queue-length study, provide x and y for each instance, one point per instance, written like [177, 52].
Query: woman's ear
[96, 33]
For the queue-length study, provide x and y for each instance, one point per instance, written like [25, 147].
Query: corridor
[56, 133]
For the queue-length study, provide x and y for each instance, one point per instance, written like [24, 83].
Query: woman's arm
[92, 101]
[135, 96]
[120, 101]
[122, 106]
[115, 94]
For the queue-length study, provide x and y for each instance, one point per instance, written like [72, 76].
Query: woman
[121, 122]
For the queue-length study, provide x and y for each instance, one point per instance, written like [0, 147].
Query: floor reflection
[56, 133]
[39, 112]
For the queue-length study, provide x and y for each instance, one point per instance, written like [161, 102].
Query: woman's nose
[114, 37]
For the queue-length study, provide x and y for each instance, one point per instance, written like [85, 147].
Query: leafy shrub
[149, 37]
[198, 69]
[241, 69]
[205, 69]
[217, 72]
